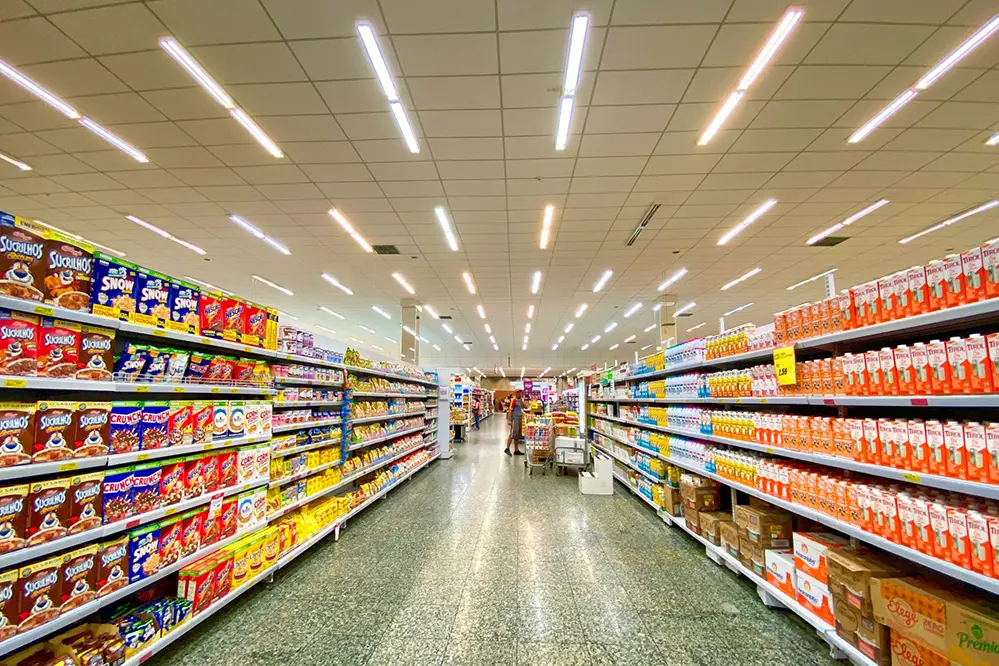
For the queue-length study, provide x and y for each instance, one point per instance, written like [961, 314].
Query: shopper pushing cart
[515, 417]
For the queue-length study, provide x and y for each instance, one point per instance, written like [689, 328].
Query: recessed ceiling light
[966, 47]
[671, 279]
[568, 327]
[603, 280]
[546, 225]
[338, 216]
[365, 328]
[847, 222]
[738, 309]
[632, 310]
[954, 220]
[259, 234]
[467, 277]
[536, 282]
[332, 312]
[630, 338]
[164, 234]
[272, 285]
[993, 140]
[882, 115]
[580, 310]
[694, 328]
[686, 308]
[357, 340]
[20, 165]
[585, 346]
[752, 217]
[614, 346]
[381, 312]
[812, 279]
[388, 87]
[402, 280]
[447, 329]
[446, 226]
[336, 283]
[741, 278]
[481, 310]
[610, 327]
[648, 328]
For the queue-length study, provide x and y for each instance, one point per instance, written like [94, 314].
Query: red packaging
[994, 544]
[872, 454]
[847, 310]
[990, 261]
[936, 449]
[956, 465]
[210, 309]
[171, 540]
[18, 343]
[227, 470]
[256, 325]
[960, 546]
[210, 473]
[180, 424]
[992, 446]
[229, 518]
[921, 518]
[202, 425]
[979, 375]
[58, 348]
[940, 370]
[243, 371]
[903, 446]
[960, 367]
[173, 482]
[920, 369]
[888, 371]
[223, 573]
[973, 268]
[954, 287]
[234, 312]
[904, 370]
[919, 459]
[981, 546]
[992, 345]
[194, 468]
[194, 530]
[940, 529]
[212, 530]
[976, 452]
[875, 377]
[197, 583]
[887, 299]
[936, 286]
[917, 291]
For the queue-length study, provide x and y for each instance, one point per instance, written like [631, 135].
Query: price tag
[764, 401]
[142, 389]
[208, 447]
[160, 333]
[784, 366]
[215, 508]
[67, 467]
[216, 390]
[15, 383]
[179, 389]
[44, 310]
[234, 390]
[143, 456]
[169, 511]
[911, 478]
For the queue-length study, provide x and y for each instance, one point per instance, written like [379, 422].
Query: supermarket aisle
[475, 563]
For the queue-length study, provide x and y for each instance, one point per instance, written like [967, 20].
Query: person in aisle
[514, 417]
[476, 410]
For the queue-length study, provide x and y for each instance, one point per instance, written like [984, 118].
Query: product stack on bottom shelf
[128, 520]
[863, 494]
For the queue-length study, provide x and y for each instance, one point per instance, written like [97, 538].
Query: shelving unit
[383, 438]
[308, 424]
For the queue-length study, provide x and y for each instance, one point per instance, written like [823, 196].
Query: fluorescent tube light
[207, 285]
[738, 309]
[436, 347]
[134, 153]
[402, 280]
[526, 339]
[495, 347]
[259, 234]
[568, 327]
[389, 339]
[657, 307]
[365, 328]
[648, 328]
[632, 310]
[812, 279]
[630, 338]
[446, 226]
[38, 91]
[407, 130]
[536, 282]
[431, 311]
[723, 113]
[481, 310]
[741, 278]
[957, 54]
[564, 119]
[645, 347]
[530, 312]
[954, 220]
[882, 115]
[409, 330]
[489, 329]
[447, 329]
[276, 245]
[555, 346]
[544, 372]
[595, 339]
[686, 308]
[602, 281]
[585, 346]
[546, 225]
[338, 216]
[336, 283]
[848, 221]
[256, 132]
[193, 68]
[694, 328]
[272, 285]
[523, 347]
[766, 54]
[80, 238]
[20, 165]
[672, 279]
[457, 339]
[492, 339]
[577, 38]
[527, 327]
[580, 310]
[610, 327]
[993, 140]
[164, 234]
[381, 312]
[614, 346]
[501, 372]
[285, 314]
[377, 347]
[467, 277]
[561, 339]
[377, 61]
[332, 312]
[328, 330]
[752, 217]
[357, 340]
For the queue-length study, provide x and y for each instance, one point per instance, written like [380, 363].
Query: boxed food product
[143, 552]
[234, 311]
[767, 525]
[69, 267]
[117, 492]
[86, 501]
[210, 308]
[171, 540]
[154, 424]
[18, 343]
[749, 551]
[48, 510]
[146, 482]
[850, 573]
[810, 552]
[112, 566]
[728, 534]
[38, 590]
[8, 604]
[193, 531]
[710, 524]
[58, 348]
[875, 644]
[54, 431]
[92, 429]
[699, 493]
[907, 652]
[780, 570]
[196, 583]
[184, 305]
[256, 325]
[691, 518]
[22, 258]
[79, 578]
[152, 307]
[813, 595]
[113, 293]
[915, 607]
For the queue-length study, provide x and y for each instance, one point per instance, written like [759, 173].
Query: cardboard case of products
[729, 534]
[780, 571]
[700, 496]
[692, 518]
[710, 523]
[768, 526]
[850, 574]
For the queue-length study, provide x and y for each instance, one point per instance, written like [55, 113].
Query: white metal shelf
[383, 438]
[965, 401]
[280, 453]
[384, 417]
[302, 475]
[624, 481]
[301, 426]
[627, 463]
[376, 394]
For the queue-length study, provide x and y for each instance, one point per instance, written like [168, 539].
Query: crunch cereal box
[184, 302]
[152, 307]
[114, 288]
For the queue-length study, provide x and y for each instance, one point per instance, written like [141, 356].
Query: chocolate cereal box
[69, 266]
[184, 302]
[234, 312]
[113, 293]
[210, 309]
[152, 300]
[22, 258]
[18, 343]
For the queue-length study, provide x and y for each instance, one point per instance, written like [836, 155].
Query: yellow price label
[15, 383]
[143, 456]
[911, 478]
[68, 467]
[44, 310]
[142, 389]
[179, 389]
[234, 390]
[208, 447]
[764, 401]
[784, 366]
[170, 511]
[160, 333]
[216, 390]
[770, 451]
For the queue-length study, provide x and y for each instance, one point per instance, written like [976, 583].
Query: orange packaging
[979, 375]
[921, 518]
[920, 369]
[994, 543]
[903, 370]
[872, 451]
[855, 428]
[823, 316]
[805, 319]
[810, 552]
[973, 268]
[847, 309]
[954, 287]
[838, 380]
[887, 299]
[960, 368]
[992, 345]
[899, 285]
[835, 315]
[891, 529]
[886, 436]
[940, 370]
[981, 546]
[868, 304]
[906, 520]
[936, 449]
[960, 546]
[976, 452]
[908, 652]
[992, 448]
[936, 286]
[780, 332]
[850, 380]
[864, 508]
[814, 597]
[872, 370]
[919, 451]
[917, 290]
[956, 465]
[889, 372]
[815, 319]
[990, 262]
[793, 324]
[877, 516]
[903, 446]
[940, 529]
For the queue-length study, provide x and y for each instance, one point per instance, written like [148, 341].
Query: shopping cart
[538, 440]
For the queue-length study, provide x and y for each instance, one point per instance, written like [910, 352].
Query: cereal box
[202, 423]
[220, 421]
[228, 518]
[155, 420]
[92, 429]
[18, 343]
[143, 552]
[271, 336]
[210, 308]
[262, 462]
[194, 473]
[54, 432]
[244, 511]
[146, 480]
[48, 510]
[125, 426]
[210, 473]
[184, 302]
[152, 306]
[171, 540]
[58, 348]
[38, 590]
[14, 514]
[237, 419]
[256, 325]
[117, 491]
[234, 312]
[112, 565]
[114, 288]
[223, 573]
[79, 578]
[8, 604]
[173, 481]
[180, 429]
[196, 583]
[69, 267]
[22, 258]
[194, 529]
[85, 501]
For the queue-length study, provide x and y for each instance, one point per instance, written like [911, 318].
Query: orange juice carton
[992, 345]
[920, 369]
[976, 452]
[960, 367]
[993, 522]
[855, 429]
[850, 379]
[780, 570]
[889, 371]
[887, 299]
[990, 262]
[936, 285]
[904, 371]
[981, 546]
[899, 285]
[921, 519]
[973, 268]
[979, 375]
[954, 285]
[960, 546]
[940, 528]
[940, 370]
[886, 436]
[918, 449]
[903, 446]
[847, 309]
[956, 463]
[810, 549]
[813, 595]
[872, 442]
[936, 462]
[918, 291]
[875, 376]
[992, 450]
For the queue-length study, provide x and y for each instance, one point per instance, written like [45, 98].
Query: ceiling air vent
[448, 317]
[644, 223]
[830, 241]
[683, 314]
[385, 249]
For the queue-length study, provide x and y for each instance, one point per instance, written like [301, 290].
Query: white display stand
[444, 442]
[601, 480]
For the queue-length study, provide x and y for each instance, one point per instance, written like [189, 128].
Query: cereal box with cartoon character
[113, 293]
[18, 343]
[22, 258]
[152, 302]
[69, 267]
[256, 325]
[185, 299]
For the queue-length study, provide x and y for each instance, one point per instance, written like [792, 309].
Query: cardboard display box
[813, 595]
[768, 526]
[749, 552]
[850, 573]
[710, 522]
[692, 518]
[699, 493]
[780, 571]
[672, 503]
[810, 552]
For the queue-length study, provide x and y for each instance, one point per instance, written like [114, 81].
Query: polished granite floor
[475, 563]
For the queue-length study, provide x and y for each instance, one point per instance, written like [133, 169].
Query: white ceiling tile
[337, 172]
[651, 47]
[112, 29]
[685, 164]
[242, 154]
[458, 92]
[413, 188]
[467, 149]
[631, 12]
[404, 171]
[184, 103]
[461, 123]
[609, 145]
[609, 166]
[271, 62]
[310, 19]
[278, 99]
[196, 22]
[351, 189]
[470, 169]
[117, 108]
[747, 162]
[189, 157]
[664, 86]
[208, 176]
[761, 140]
[425, 55]
[448, 16]
[464, 188]
[35, 40]
[301, 128]
[70, 78]
[320, 152]
[831, 81]
[543, 168]
[353, 96]
[788, 114]
[529, 15]
[867, 44]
